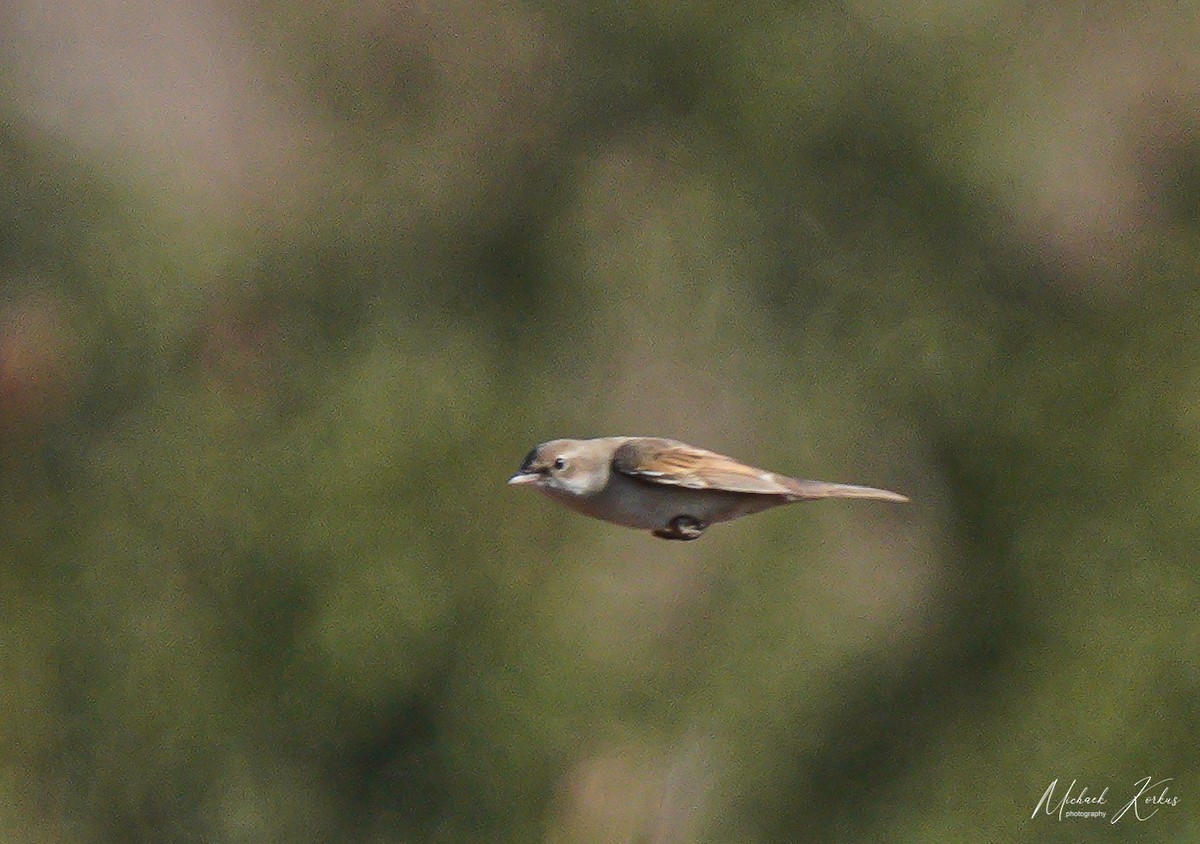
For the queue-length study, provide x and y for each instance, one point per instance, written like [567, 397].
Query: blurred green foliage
[262, 580]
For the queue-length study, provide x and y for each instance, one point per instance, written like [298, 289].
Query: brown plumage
[664, 461]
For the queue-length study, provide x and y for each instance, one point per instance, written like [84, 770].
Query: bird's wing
[673, 463]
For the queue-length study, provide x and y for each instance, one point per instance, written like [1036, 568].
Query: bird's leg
[683, 528]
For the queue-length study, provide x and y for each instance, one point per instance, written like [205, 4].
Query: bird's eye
[559, 464]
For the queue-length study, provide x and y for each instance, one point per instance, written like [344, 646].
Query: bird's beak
[524, 478]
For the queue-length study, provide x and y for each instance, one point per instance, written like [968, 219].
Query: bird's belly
[638, 504]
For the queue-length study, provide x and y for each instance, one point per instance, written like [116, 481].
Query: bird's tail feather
[813, 490]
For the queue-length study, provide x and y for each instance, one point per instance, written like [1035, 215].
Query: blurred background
[287, 290]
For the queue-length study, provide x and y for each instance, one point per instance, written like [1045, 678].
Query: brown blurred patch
[173, 89]
[627, 794]
[36, 363]
[1087, 96]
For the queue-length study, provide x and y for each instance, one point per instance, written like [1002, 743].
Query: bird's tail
[814, 490]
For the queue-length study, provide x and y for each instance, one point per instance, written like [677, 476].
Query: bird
[672, 489]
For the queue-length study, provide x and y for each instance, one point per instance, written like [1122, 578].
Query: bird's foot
[683, 528]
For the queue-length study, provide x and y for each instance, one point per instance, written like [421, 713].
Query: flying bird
[670, 488]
